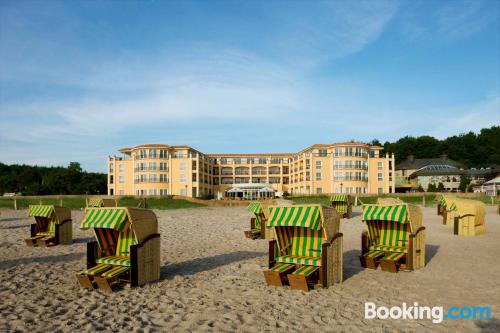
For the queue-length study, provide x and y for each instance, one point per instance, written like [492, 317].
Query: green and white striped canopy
[41, 210]
[306, 216]
[108, 218]
[339, 197]
[442, 201]
[453, 207]
[254, 207]
[396, 213]
[95, 202]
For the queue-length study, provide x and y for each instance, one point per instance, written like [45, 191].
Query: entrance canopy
[250, 191]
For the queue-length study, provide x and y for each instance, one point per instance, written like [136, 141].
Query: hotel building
[158, 169]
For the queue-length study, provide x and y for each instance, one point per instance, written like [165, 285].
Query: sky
[81, 79]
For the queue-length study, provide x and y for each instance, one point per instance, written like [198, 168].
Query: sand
[211, 280]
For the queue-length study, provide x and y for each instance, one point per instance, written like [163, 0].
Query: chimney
[411, 158]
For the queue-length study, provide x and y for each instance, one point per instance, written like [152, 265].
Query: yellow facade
[157, 170]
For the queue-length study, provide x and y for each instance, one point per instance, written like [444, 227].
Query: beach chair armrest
[330, 242]
[92, 253]
[414, 234]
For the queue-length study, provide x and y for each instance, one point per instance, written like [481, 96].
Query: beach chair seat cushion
[302, 260]
[389, 248]
[393, 256]
[114, 260]
[281, 267]
[98, 269]
[305, 271]
[114, 272]
[374, 254]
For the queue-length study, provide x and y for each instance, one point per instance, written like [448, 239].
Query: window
[318, 164]
[380, 190]
[338, 151]
[262, 161]
[379, 176]
[121, 179]
[322, 152]
[194, 177]
[348, 151]
[152, 153]
[111, 167]
[183, 177]
[163, 166]
[237, 161]
[318, 175]
[182, 165]
[380, 165]
[163, 177]
[163, 154]
[319, 190]
[122, 167]
[111, 179]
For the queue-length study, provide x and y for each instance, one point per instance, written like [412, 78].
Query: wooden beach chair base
[45, 241]
[302, 278]
[371, 259]
[86, 278]
[32, 240]
[392, 262]
[252, 234]
[105, 281]
[277, 275]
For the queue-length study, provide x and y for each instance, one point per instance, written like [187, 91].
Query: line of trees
[470, 149]
[38, 180]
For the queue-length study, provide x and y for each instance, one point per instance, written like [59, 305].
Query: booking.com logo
[436, 313]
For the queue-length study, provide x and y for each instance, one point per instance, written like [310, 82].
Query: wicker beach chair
[308, 247]
[126, 250]
[342, 204]
[395, 238]
[52, 225]
[469, 217]
[258, 229]
[389, 201]
[99, 202]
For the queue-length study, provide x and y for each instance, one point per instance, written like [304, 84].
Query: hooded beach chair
[99, 202]
[342, 204]
[126, 249]
[469, 217]
[395, 238]
[257, 223]
[52, 225]
[308, 246]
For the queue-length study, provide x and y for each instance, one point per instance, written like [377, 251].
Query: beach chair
[52, 225]
[99, 202]
[307, 249]
[395, 238]
[342, 204]
[469, 217]
[257, 223]
[126, 250]
[389, 201]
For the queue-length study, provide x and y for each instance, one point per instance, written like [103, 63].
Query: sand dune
[211, 280]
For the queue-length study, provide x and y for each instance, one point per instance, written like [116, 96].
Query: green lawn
[77, 203]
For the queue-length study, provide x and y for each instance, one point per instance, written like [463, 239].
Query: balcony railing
[352, 179]
[142, 181]
[150, 169]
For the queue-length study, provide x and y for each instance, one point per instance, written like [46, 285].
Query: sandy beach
[211, 280]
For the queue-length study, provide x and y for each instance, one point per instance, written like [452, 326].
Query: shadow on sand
[430, 252]
[12, 219]
[194, 266]
[44, 260]
[15, 227]
[83, 240]
[490, 325]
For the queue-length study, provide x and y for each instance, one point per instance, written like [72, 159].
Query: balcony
[142, 181]
[150, 169]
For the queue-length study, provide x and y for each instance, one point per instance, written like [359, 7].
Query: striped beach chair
[395, 237]
[126, 249]
[308, 246]
[257, 223]
[52, 225]
[342, 204]
[469, 217]
[100, 202]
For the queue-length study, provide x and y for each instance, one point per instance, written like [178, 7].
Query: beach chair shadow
[11, 219]
[490, 325]
[351, 263]
[45, 260]
[430, 252]
[15, 227]
[83, 240]
[198, 265]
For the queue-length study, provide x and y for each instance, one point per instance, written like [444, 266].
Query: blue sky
[79, 80]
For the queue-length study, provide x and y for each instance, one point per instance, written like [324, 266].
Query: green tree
[464, 184]
[431, 188]
[440, 187]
